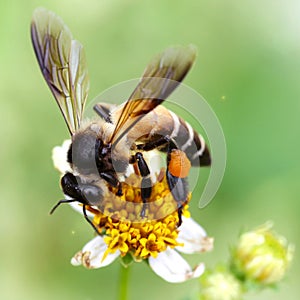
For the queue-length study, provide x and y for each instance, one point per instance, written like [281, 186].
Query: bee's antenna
[83, 210]
[59, 203]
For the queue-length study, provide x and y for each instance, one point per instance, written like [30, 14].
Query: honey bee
[102, 149]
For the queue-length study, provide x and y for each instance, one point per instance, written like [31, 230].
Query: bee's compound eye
[69, 184]
[83, 152]
[92, 194]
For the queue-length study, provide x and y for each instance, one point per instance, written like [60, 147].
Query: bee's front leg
[111, 178]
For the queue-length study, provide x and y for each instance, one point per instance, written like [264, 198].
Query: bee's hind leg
[177, 185]
[179, 189]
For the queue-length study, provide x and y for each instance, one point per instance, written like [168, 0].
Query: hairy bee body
[159, 122]
[102, 149]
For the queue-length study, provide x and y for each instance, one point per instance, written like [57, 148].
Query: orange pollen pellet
[179, 164]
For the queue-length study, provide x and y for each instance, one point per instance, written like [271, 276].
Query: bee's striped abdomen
[189, 141]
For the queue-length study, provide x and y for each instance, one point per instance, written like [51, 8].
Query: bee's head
[83, 152]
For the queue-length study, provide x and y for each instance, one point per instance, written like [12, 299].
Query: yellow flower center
[119, 219]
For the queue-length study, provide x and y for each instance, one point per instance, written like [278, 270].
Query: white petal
[92, 254]
[59, 157]
[173, 268]
[194, 237]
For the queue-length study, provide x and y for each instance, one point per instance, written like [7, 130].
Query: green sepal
[127, 260]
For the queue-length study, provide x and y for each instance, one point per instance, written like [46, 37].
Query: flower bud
[261, 256]
[220, 284]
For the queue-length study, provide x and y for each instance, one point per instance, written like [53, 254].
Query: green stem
[123, 284]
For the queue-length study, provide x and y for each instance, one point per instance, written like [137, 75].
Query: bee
[102, 149]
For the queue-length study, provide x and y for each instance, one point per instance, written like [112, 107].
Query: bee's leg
[133, 162]
[179, 215]
[177, 185]
[120, 190]
[87, 218]
[146, 184]
[103, 111]
[111, 178]
[162, 141]
[179, 189]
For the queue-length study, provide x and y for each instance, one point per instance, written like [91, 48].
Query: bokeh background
[248, 69]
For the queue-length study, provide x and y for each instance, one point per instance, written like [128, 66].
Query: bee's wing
[162, 75]
[62, 62]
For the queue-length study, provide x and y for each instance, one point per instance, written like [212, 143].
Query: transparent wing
[162, 75]
[62, 62]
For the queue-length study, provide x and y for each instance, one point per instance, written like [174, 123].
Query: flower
[168, 264]
[123, 232]
[262, 256]
[220, 284]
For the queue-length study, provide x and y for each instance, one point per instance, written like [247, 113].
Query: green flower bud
[220, 284]
[261, 256]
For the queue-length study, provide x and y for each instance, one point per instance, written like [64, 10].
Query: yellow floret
[125, 230]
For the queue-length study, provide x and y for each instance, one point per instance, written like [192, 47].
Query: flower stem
[123, 284]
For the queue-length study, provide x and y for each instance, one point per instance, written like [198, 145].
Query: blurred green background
[248, 69]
